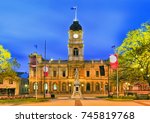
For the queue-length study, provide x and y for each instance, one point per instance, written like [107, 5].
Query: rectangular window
[1, 81]
[102, 70]
[10, 81]
[64, 73]
[88, 73]
[54, 73]
[97, 73]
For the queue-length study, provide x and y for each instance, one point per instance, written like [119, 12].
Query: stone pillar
[52, 87]
[59, 86]
[67, 86]
[92, 87]
[104, 88]
[49, 87]
[40, 87]
[31, 89]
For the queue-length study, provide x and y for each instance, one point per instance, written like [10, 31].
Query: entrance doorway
[88, 87]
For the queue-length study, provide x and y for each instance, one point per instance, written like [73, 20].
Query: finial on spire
[75, 10]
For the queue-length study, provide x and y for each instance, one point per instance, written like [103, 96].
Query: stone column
[92, 87]
[60, 87]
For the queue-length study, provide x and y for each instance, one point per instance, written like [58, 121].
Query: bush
[142, 96]
[52, 96]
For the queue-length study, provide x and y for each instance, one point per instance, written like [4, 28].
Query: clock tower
[75, 43]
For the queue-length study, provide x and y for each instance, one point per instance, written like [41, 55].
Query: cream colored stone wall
[7, 85]
[69, 67]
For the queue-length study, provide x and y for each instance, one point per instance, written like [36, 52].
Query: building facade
[24, 83]
[60, 74]
[9, 86]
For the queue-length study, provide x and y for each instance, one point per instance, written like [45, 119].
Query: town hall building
[60, 76]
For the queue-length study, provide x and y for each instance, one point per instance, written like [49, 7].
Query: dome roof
[75, 26]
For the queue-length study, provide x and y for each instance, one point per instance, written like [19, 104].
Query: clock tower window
[75, 52]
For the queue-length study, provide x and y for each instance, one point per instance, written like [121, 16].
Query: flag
[73, 8]
[113, 46]
[113, 61]
[35, 46]
[45, 70]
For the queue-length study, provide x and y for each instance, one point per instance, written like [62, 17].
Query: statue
[77, 89]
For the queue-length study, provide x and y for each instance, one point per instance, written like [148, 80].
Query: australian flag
[113, 46]
[35, 46]
[73, 8]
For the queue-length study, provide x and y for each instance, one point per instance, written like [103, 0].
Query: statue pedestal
[76, 92]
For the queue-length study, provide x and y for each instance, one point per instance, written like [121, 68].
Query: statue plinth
[77, 88]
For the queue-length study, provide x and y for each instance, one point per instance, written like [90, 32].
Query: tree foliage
[7, 64]
[4, 59]
[134, 55]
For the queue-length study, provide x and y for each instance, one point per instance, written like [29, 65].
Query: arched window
[55, 87]
[88, 87]
[97, 88]
[46, 87]
[63, 87]
[75, 52]
[35, 86]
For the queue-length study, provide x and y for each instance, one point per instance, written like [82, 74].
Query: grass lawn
[120, 98]
[25, 100]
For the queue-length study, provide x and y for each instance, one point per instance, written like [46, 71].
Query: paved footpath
[84, 102]
[109, 103]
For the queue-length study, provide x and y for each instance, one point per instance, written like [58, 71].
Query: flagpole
[76, 14]
[36, 79]
[117, 76]
[36, 74]
[117, 79]
[108, 81]
[44, 69]
[117, 83]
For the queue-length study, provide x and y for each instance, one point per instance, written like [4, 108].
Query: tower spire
[75, 12]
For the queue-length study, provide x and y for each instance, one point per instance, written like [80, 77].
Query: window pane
[87, 73]
[55, 87]
[97, 73]
[64, 73]
[75, 52]
[54, 73]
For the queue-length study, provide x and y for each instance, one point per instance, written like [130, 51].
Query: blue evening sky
[24, 23]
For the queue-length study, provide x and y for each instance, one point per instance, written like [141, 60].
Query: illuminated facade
[93, 74]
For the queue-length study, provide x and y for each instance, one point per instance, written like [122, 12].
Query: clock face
[75, 35]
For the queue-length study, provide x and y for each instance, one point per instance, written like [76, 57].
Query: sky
[25, 23]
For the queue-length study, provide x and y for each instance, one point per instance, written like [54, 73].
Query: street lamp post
[82, 87]
[26, 87]
[69, 88]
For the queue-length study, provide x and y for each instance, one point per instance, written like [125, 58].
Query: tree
[15, 64]
[134, 55]
[4, 59]
[7, 64]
